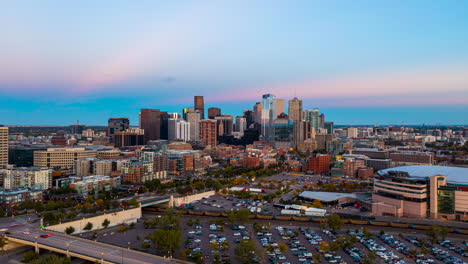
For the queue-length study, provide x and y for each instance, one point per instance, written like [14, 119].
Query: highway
[20, 228]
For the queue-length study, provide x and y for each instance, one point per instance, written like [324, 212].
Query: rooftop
[325, 196]
[454, 174]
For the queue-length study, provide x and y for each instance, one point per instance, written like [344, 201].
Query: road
[20, 228]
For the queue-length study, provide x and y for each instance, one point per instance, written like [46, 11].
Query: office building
[280, 107]
[164, 130]
[283, 132]
[249, 116]
[130, 137]
[268, 117]
[76, 129]
[257, 109]
[193, 117]
[150, 122]
[225, 125]
[3, 146]
[23, 156]
[295, 110]
[241, 124]
[209, 132]
[421, 191]
[313, 116]
[184, 161]
[117, 124]
[413, 157]
[352, 132]
[319, 163]
[179, 129]
[61, 158]
[213, 112]
[200, 106]
[351, 166]
[27, 177]
[322, 140]
[329, 126]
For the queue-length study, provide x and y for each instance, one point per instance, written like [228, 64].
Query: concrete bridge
[86, 249]
[171, 200]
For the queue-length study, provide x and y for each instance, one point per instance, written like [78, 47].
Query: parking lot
[304, 244]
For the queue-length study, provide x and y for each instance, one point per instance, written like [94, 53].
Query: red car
[46, 235]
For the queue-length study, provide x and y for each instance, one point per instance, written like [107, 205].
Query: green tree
[437, 232]
[334, 222]
[105, 223]
[369, 258]
[366, 233]
[282, 248]
[134, 202]
[69, 230]
[165, 240]
[88, 226]
[30, 255]
[246, 250]
[317, 257]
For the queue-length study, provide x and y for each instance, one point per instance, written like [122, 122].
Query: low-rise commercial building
[61, 158]
[27, 177]
[12, 197]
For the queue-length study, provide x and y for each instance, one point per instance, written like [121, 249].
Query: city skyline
[352, 60]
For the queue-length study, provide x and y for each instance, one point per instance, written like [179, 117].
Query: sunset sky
[361, 62]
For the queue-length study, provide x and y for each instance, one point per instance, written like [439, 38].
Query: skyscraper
[295, 110]
[268, 117]
[193, 117]
[283, 132]
[200, 106]
[3, 146]
[208, 132]
[116, 124]
[225, 124]
[257, 109]
[241, 124]
[150, 122]
[213, 112]
[313, 117]
[164, 125]
[249, 116]
[280, 107]
[179, 129]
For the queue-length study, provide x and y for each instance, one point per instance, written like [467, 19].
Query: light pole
[68, 249]
[129, 245]
[37, 246]
[102, 257]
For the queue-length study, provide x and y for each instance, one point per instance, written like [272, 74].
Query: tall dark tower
[200, 105]
[150, 121]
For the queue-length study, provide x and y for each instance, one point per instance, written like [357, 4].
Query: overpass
[154, 200]
[86, 249]
[170, 200]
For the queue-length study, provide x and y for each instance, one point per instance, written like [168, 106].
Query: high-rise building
[352, 132]
[179, 129]
[249, 116]
[193, 117]
[313, 116]
[3, 146]
[280, 107]
[77, 129]
[329, 126]
[268, 117]
[200, 106]
[295, 110]
[225, 124]
[213, 112]
[150, 122]
[241, 124]
[164, 125]
[257, 109]
[283, 132]
[130, 137]
[117, 124]
[208, 132]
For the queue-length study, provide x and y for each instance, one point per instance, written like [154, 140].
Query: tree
[334, 246]
[317, 204]
[369, 258]
[317, 257]
[437, 232]
[105, 223]
[324, 246]
[282, 248]
[246, 250]
[30, 255]
[366, 233]
[334, 222]
[88, 226]
[51, 259]
[165, 240]
[134, 202]
[3, 242]
[69, 230]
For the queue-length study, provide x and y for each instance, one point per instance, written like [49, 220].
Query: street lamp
[102, 257]
[37, 246]
[68, 249]
[129, 245]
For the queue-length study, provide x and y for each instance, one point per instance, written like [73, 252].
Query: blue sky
[360, 61]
